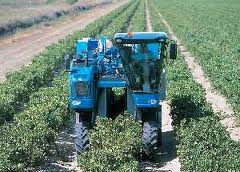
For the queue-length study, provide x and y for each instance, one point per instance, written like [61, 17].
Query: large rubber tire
[150, 138]
[81, 140]
[159, 138]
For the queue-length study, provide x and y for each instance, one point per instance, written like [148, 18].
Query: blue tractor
[130, 62]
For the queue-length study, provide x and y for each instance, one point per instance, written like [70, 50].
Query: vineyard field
[210, 30]
[204, 144]
[34, 101]
[26, 141]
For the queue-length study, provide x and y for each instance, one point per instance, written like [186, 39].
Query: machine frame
[99, 65]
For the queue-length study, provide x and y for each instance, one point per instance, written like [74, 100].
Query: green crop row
[26, 141]
[116, 145]
[203, 143]
[157, 24]
[121, 24]
[21, 84]
[210, 30]
[137, 23]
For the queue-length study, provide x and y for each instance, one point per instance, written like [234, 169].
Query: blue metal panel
[82, 103]
[81, 73]
[146, 100]
[92, 44]
[111, 83]
[78, 75]
[140, 37]
[81, 46]
[154, 49]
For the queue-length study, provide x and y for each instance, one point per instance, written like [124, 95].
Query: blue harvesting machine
[127, 72]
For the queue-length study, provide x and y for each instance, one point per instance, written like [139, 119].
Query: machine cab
[142, 58]
[142, 55]
[82, 91]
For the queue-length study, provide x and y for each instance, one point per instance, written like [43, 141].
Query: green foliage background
[203, 143]
[25, 141]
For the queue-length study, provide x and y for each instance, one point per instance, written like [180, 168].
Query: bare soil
[166, 159]
[64, 157]
[148, 27]
[213, 97]
[19, 49]
[22, 9]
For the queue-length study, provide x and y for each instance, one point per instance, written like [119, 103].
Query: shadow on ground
[183, 109]
[187, 107]
[165, 154]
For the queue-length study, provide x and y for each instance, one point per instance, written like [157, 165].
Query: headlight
[81, 89]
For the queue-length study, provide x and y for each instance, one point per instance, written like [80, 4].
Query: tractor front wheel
[83, 121]
[81, 140]
[150, 138]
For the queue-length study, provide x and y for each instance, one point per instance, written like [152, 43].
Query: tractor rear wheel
[150, 138]
[81, 140]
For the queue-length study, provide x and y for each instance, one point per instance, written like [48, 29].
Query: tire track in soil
[167, 157]
[213, 97]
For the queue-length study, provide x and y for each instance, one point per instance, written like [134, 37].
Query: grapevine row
[26, 141]
[204, 144]
[15, 92]
[116, 144]
[209, 30]
[138, 20]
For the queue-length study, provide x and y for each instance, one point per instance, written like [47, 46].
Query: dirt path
[167, 159]
[19, 49]
[217, 101]
[64, 157]
[148, 27]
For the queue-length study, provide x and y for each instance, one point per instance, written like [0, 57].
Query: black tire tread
[81, 140]
[150, 138]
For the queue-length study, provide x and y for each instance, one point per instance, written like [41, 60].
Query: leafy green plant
[50, 1]
[26, 141]
[115, 145]
[137, 23]
[203, 143]
[121, 24]
[118, 91]
[209, 30]
[15, 92]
